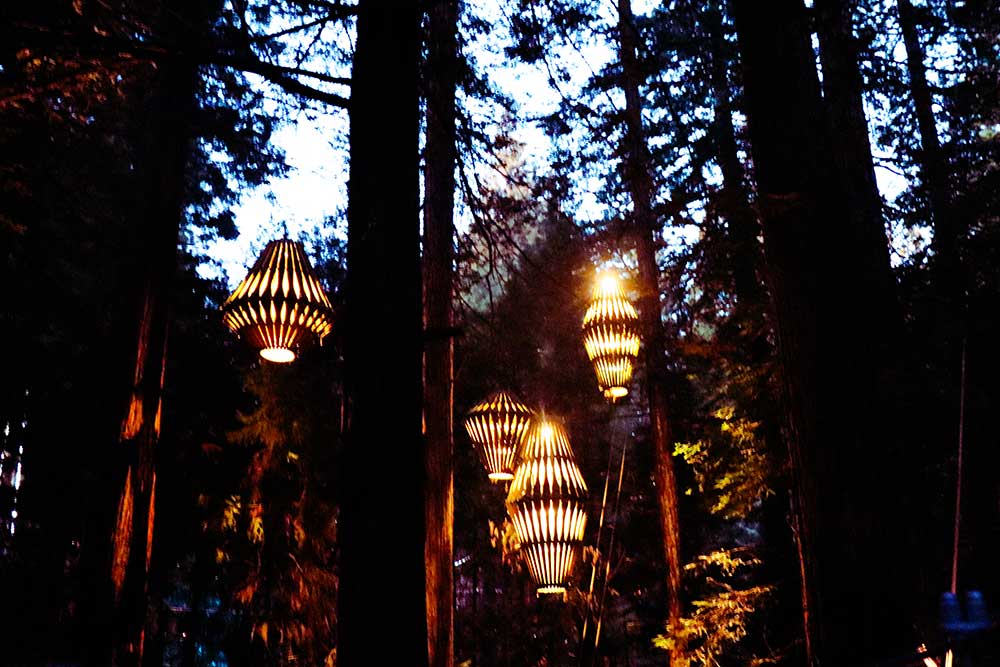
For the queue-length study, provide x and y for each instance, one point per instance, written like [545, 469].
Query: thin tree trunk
[827, 268]
[640, 185]
[439, 205]
[166, 156]
[382, 501]
[932, 164]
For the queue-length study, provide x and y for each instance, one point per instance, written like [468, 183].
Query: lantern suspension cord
[597, 544]
[958, 473]
[611, 546]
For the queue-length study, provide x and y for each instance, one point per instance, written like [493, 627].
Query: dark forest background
[815, 350]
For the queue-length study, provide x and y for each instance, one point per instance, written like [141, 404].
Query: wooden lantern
[546, 505]
[280, 305]
[497, 427]
[611, 337]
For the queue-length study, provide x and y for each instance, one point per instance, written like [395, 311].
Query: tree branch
[278, 74]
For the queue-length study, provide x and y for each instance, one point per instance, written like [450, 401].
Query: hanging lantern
[546, 505]
[496, 427]
[611, 337]
[280, 304]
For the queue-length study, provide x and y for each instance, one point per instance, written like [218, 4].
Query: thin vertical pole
[958, 474]
[949, 657]
[611, 546]
[597, 547]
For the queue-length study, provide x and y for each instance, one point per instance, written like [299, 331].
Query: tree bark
[827, 266]
[933, 168]
[640, 185]
[743, 227]
[165, 162]
[439, 205]
[852, 155]
[382, 501]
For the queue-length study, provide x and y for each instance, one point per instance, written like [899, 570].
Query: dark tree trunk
[863, 231]
[933, 168]
[786, 200]
[382, 501]
[640, 185]
[743, 227]
[165, 159]
[439, 205]
[851, 154]
[826, 267]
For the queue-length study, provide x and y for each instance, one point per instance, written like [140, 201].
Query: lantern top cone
[547, 468]
[497, 426]
[611, 336]
[280, 305]
[546, 506]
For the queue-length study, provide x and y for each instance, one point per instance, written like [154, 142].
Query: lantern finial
[280, 304]
[546, 505]
[610, 336]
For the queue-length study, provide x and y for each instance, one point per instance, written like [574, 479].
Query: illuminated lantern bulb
[496, 427]
[280, 305]
[546, 505]
[611, 336]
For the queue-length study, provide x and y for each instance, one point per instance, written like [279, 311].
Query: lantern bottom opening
[551, 590]
[501, 476]
[278, 355]
[615, 392]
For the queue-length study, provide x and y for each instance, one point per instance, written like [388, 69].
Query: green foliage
[724, 614]
[732, 468]
[276, 536]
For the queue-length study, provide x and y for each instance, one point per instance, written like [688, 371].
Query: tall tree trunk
[165, 160]
[644, 227]
[851, 154]
[743, 227]
[863, 230]
[933, 168]
[826, 267]
[382, 503]
[786, 201]
[439, 205]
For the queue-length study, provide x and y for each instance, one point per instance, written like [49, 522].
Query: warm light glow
[497, 427]
[607, 284]
[546, 506]
[280, 304]
[278, 355]
[611, 336]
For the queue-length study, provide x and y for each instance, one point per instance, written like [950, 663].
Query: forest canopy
[469, 332]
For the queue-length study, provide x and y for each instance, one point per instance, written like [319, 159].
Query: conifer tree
[382, 503]
[441, 80]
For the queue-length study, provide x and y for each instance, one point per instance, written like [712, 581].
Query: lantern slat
[611, 337]
[546, 505]
[271, 309]
[497, 427]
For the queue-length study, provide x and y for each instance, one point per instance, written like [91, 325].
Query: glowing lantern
[496, 427]
[611, 337]
[280, 304]
[546, 505]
